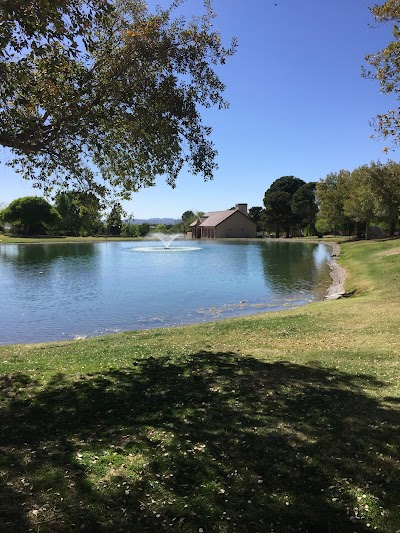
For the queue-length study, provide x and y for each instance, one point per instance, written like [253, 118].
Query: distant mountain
[156, 221]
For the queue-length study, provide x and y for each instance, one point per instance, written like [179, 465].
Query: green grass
[280, 422]
[19, 239]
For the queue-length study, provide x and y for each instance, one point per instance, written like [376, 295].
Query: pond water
[66, 291]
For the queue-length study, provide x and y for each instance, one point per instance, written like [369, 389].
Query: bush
[129, 230]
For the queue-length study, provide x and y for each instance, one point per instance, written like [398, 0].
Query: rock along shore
[338, 275]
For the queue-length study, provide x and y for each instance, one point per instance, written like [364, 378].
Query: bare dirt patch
[396, 251]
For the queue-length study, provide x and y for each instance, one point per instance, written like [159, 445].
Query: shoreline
[337, 272]
[338, 275]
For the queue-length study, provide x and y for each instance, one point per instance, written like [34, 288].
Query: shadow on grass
[209, 441]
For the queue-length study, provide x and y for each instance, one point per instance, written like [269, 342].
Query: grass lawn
[47, 239]
[283, 422]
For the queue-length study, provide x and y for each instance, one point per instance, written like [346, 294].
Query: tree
[130, 230]
[386, 69]
[2, 207]
[371, 193]
[114, 219]
[278, 204]
[277, 211]
[187, 218]
[358, 204]
[67, 204]
[161, 228]
[30, 214]
[80, 213]
[105, 95]
[304, 205]
[331, 193]
[144, 229]
[288, 184]
[384, 181]
[91, 209]
[188, 215]
[255, 213]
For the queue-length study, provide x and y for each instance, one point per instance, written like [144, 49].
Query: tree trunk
[277, 232]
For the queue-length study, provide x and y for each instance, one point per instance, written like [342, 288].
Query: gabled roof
[197, 221]
[216, 217]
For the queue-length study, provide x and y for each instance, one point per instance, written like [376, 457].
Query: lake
[66, 291]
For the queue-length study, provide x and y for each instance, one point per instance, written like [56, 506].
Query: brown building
[233, 223]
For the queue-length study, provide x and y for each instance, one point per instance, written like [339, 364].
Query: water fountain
[167, 241]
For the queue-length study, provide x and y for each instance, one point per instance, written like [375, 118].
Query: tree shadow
[211, 441]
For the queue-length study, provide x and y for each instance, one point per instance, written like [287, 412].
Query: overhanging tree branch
[102, 74]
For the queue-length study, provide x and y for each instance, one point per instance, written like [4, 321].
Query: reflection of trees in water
[36, 254]
[56, 270]
[291, 266]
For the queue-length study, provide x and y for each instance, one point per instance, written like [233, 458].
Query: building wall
[236, 226]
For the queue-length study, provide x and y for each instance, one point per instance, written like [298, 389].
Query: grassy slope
[280, 422]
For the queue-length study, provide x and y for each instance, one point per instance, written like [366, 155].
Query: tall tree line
[346, 202]
[350, 202]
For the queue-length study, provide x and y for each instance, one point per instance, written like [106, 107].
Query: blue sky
[298, 104]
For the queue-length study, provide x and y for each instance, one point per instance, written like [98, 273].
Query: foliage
[68, 205]
[331, 193]
[114, 219]
[161, 228]
[358, 204]
[3, 205]
[30, 215]
[371, 193]
[384, 181]
[188, 215]
[255, 213]
[144, 229]
[386, 69]
[187, 218]
[304, 205]
[129, 230]
[322, 226]
[80, 213]
[278, 212]
[91, 210]
[106, 95]
[288, 184]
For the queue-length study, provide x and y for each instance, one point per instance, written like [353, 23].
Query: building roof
[216, 217]
[199, 219]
